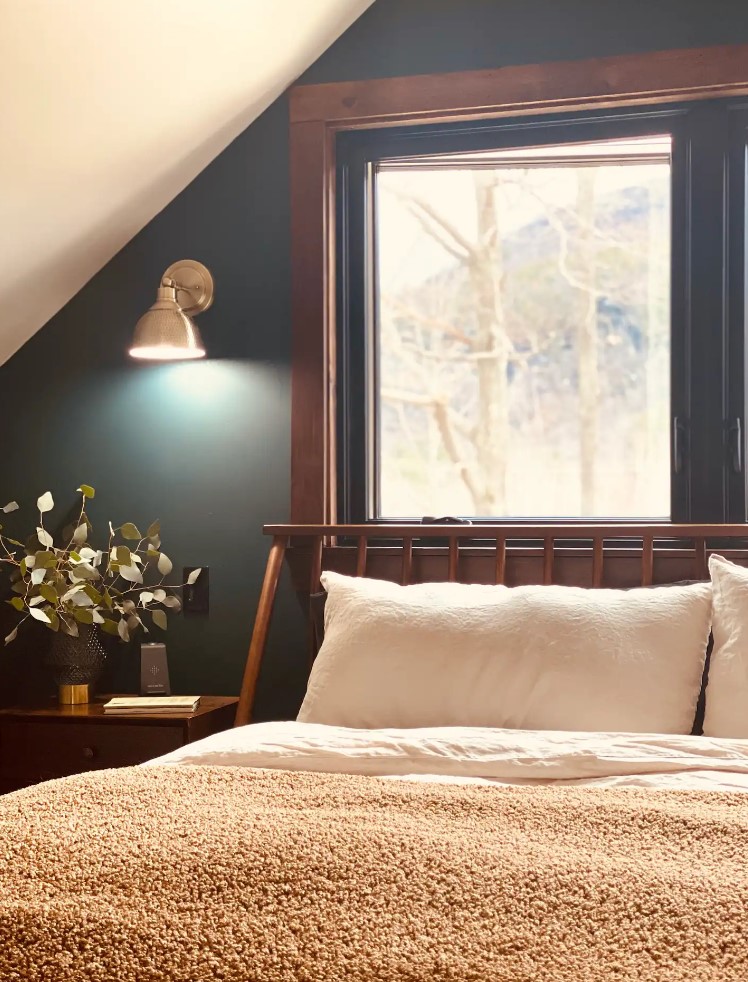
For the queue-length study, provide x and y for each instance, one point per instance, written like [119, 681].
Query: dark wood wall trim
[312, 314]
[318, 112]
[698, 73]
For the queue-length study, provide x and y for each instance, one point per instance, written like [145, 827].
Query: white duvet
[466, 754]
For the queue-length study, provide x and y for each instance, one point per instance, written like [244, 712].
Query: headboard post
[261, 628]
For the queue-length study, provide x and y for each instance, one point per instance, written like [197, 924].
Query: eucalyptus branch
[12, 555]
[149, 588]
[109, 546]
[77, 524]
[79, 584]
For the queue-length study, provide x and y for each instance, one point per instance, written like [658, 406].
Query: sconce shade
[166, 332]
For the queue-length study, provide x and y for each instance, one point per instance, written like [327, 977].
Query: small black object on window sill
[444, 520]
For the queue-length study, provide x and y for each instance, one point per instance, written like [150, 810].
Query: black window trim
[709, 145]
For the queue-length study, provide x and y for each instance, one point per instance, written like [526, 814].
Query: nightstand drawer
[38, 743]
[40, 751]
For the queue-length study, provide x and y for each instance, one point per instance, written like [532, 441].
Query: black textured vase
[76, 661]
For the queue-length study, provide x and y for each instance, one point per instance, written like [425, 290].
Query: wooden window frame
[319, 112]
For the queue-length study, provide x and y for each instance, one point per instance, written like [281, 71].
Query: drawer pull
[89, 753]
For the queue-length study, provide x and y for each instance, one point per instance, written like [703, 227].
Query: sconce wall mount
[167, 331]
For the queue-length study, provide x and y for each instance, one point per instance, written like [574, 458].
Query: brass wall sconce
[167, 331]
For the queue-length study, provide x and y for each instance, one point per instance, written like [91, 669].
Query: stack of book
[132, 705]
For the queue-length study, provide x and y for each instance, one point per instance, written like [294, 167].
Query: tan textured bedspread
[226, 874]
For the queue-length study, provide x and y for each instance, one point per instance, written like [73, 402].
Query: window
[542, 318]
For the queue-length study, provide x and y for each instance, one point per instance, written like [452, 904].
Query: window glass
[522, 333]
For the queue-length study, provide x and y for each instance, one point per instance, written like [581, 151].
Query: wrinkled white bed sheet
[527, 757]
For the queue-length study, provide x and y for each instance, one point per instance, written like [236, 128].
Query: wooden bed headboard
[617, 556]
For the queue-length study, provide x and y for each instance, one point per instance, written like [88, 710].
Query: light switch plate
[196, 598]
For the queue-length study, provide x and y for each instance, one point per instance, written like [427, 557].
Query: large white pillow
[726, 712]
[531, 657]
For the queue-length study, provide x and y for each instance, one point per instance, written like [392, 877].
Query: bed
[452, 846]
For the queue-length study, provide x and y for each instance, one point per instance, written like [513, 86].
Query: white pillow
[531, 657]
[726, 712]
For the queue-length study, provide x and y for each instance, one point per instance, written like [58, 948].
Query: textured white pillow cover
[726, 712]
[530, 657]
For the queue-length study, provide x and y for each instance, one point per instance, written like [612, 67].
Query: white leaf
[145, 597]
[111, 529]
[35, 601]
[70, 593]
[97, 618]
[159, 595]
[128, 606]
[37, 576]
[122, 631]
[12, 636]
[30, 562]
[135, 558]
[159, 619]
[99, 555]
[172, 602]
[11, 506]
[194, 575]
[165, 565]
[87, 553]
[131, 573]
[44, 537]
[82, 599]
[39, 615]
[45, 503]
[81, 533]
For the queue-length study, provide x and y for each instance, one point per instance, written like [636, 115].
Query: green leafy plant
[62, 587]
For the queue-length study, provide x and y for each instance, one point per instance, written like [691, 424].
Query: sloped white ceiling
[109, 108]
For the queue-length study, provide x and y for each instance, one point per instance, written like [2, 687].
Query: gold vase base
[74, 695]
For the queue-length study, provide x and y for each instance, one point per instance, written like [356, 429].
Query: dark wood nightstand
[39, 743]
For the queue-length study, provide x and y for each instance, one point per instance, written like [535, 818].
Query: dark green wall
[412, 37]
[205, 446]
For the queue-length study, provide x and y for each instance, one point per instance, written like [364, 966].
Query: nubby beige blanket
[207, 873]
